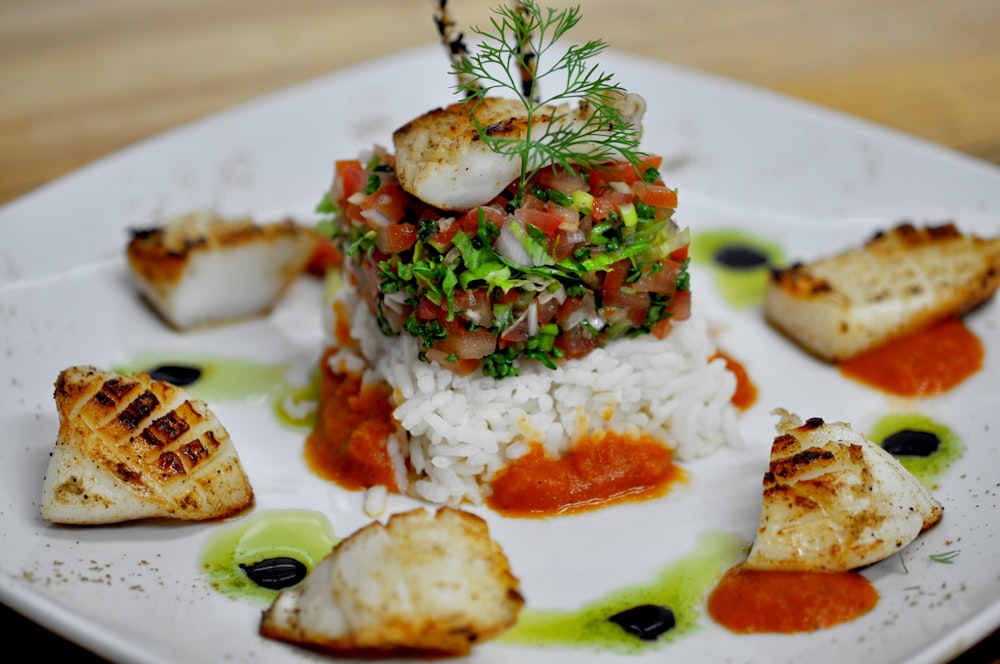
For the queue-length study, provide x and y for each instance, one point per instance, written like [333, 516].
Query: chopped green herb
[325, 206]
[426, 229]
[560, 198]
[500, 364]
[428, 331]
[684, 278]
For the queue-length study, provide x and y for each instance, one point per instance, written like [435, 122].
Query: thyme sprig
[523, 39]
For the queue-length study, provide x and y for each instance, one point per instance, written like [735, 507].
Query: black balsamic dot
[908, 442]
[739, 257]
[176, 374]
[647, 621]
[275, 573]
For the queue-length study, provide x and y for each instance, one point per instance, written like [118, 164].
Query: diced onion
[508, 246]
[395, 300]
[376, 218]
[559, 294]
[532, 319]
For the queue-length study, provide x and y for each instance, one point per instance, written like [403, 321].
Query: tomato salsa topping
[585, 257]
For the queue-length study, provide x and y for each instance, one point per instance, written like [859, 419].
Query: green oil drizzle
[926, 469]
[300, 534]
[222, 378]
[739, 286]
[682, 587]
[304, 400]
[233, 379]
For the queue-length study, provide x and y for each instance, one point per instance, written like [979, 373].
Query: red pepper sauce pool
[347, 444]
[754, 601]
[928, 362]
[596, 472]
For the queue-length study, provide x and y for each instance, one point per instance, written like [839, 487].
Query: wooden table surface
[81, 79]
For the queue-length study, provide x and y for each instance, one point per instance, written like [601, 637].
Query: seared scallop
[199, 269]
[441, 159]
[834, 501]
[899, 282]
[130, 447]
[424, 582]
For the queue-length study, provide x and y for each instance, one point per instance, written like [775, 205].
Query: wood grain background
[80, 79]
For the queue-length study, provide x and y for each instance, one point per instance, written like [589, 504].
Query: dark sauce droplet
[647, 621]
[175, 374]
[275, 573]
[739, 257]
[908, 442]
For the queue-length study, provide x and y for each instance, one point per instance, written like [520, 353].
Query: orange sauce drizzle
[926, 363]
[755, 601]
[746, 392]
[348, 443]
[598, 471]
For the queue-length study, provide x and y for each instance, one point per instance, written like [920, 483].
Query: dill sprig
[523, 39]
[947, 557]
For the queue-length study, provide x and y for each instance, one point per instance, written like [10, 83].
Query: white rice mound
[456, 431]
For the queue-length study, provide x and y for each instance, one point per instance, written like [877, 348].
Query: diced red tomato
[631, 305]
[517, 333]
[460, 367]
[608, 202]
[657, 195]
[680, 254]
[396, 238]
[570, 216]
[447, 228]
[663, 281]
[576, 342]
[389, 199]
[614, 278]
[562, 247]
[427, 310]
[545, 221]
[680, 305]
[466, 344]
[532, 202]
[547, 310]
[621, 172]
[678, 309]
[662, 329]
[353, 178]
[326, 255]
[469, 223]
[561, 180]
[601, 208]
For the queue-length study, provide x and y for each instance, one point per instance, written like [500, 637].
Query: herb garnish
[946, 557]
[522, 40]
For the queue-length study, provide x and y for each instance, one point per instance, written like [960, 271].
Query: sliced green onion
[582, 201]
[629, 216]
[559, 198]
